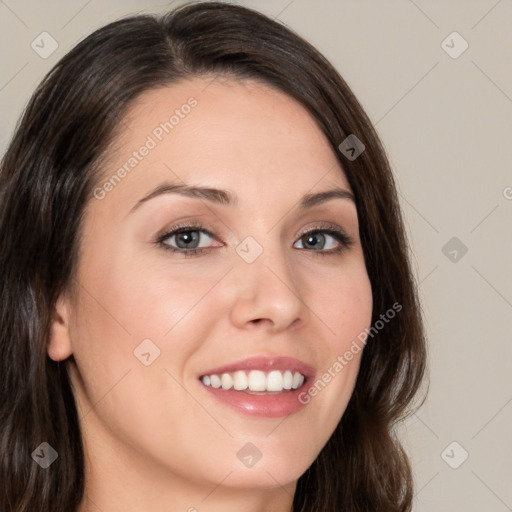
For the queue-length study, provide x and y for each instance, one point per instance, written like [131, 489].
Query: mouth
[265, 387]
[260, 375]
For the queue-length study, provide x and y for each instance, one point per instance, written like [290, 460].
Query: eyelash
[340, 236]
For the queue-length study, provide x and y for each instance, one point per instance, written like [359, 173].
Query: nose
[267, 292]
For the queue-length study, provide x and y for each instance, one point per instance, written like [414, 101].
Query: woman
[263, 367]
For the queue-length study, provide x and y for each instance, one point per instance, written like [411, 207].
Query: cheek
[344, 312]
[131, 314]
[344, 307]
[127, 300]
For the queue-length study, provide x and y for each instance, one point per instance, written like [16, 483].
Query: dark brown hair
[47, 177]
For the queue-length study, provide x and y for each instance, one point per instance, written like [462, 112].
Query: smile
[255, 380]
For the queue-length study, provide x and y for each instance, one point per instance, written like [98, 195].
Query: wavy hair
[46, 180]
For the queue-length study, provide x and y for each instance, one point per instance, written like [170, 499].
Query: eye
[188, 237]
[318, 236]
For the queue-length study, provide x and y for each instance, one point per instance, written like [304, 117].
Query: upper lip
[265, 364]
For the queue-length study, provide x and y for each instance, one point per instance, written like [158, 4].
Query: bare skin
[155, 440]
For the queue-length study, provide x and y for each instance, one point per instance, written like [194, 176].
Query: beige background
[446, 123]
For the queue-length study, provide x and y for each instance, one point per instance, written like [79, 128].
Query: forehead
[244, 135]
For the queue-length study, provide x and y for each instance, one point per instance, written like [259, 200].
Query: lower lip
[273, 405]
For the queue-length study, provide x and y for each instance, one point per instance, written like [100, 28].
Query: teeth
[297, 380]
[215, 381]
[287, 379]
[275, 381]
[240, 381]
[227, 381]
[256, 380]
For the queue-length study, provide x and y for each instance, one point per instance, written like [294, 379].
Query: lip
[271, 405]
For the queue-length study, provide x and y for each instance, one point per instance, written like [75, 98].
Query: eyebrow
[224, 197]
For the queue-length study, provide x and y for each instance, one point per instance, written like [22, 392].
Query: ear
[59, 344]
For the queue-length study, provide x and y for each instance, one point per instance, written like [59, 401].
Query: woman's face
[146, 322]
